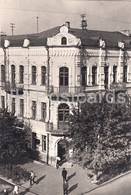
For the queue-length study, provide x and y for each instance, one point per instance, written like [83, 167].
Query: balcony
[68, 90]
[13, 88]
[57, 131]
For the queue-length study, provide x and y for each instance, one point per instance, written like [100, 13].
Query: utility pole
[37, 23]
[12, 25]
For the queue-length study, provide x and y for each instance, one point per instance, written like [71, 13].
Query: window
[43, 111]
[63, 41]
[64, 76]
[13, 105]
[43, 143]
[94, 75]
[125, 74]
[43, 75]
[21, 107]
[12, 73]
[106, 68]
[63, 115]
[33, 109]
[84, 76]
[2, 73]
[21, 70]
[114, 74]
[33, 75]
[2, 102]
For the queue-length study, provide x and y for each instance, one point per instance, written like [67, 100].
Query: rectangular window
[43, 143]
[2, 102]
[124, 74]
[12, 73]
[43, 111]
[94, 75]
[106, 71]
[33, 75]
[43, 75]
[13, 105]
[114, 74]
[21, 74]
[2, 73]
[33, 109]
[21, 107]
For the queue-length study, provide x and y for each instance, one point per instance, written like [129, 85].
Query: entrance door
[62, 149]
[63, 79]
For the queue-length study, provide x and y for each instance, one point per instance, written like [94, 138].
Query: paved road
[120, 186]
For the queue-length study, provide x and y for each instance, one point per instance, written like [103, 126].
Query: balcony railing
[13, 88]
[57, 131]
[69, 90]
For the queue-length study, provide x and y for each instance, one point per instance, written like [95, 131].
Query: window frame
[33, 74]
[44, 143]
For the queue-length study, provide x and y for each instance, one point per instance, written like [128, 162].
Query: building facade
[44, 75]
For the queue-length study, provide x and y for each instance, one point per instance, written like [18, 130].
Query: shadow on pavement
[69, 177]
[40, 179]
[72, 188]
[24, 192]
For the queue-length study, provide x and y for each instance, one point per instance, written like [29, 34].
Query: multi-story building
[43, 75]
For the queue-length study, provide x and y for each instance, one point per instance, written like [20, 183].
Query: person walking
[6, 192]
[64, 174]
[65, 187]
[32, 177]
[16, 190]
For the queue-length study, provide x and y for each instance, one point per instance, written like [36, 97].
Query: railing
[57, 131]
[75, 90]
[14, 88]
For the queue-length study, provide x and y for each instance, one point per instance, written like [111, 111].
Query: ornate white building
[42, 75]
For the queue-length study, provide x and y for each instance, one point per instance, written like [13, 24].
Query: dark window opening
[43, 75]
[63, 115]
[114, 74]
[21, 107]
[43, 143]
[33, 75]
[84, 76]
[106, 70]
[12, 73]
[21, 69]
[2, 102]
[94, 75]
[33, 109]
[63, 41]
[13, 105]
[124, 74]
[43, 111]
[2, 73]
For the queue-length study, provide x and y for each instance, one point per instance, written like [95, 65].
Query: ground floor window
[43, 143]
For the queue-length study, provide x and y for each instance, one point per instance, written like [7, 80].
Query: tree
[101, 134]
[14, 136]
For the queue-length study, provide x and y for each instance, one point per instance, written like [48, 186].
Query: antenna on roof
[12, 25]
[83, 22]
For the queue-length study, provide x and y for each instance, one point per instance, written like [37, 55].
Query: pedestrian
[64, 174]
[57, 161]
[16, 190]
[65, 187]
[32, 177]
[5, 192]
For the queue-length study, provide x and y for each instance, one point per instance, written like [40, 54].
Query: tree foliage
[101, 134]
[14, 136]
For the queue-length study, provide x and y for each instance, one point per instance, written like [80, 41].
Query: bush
[16, 173]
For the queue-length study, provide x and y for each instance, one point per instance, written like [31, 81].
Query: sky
[100, 15]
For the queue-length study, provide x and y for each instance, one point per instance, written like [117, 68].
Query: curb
[107, 182]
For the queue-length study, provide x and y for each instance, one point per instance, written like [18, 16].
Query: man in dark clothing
[64, 174]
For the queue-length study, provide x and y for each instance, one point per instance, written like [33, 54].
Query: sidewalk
[49, 180]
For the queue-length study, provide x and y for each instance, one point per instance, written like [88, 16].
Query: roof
[88, 38]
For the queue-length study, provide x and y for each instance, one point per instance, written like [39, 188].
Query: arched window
[2, 73]
[21, 74]
[33, 75]
[43, 75]
[63, 115]
[63, 41]
[84, 76]
[13, 73]
[63, 79]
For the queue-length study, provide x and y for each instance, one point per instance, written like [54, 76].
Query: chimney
[67, 24]
[83, 22]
